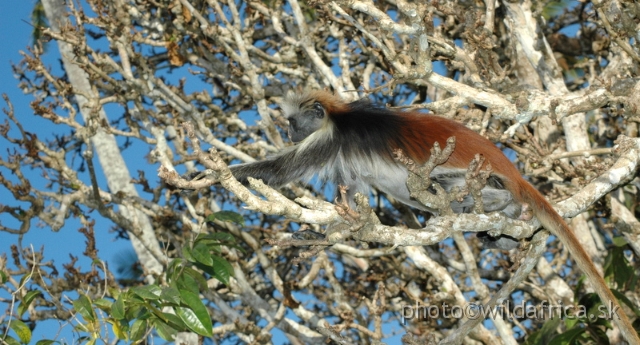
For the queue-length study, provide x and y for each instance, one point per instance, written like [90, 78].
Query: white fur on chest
[359, 173]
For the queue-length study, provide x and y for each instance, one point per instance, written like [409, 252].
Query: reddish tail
[552, 221]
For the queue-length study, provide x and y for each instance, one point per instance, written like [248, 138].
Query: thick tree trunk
[113, 165]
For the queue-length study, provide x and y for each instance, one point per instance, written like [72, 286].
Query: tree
[553, 84]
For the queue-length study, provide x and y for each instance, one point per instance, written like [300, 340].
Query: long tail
[553, 222]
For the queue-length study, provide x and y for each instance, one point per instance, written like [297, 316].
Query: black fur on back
[367, 130]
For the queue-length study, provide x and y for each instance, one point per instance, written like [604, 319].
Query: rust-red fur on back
[422, 130]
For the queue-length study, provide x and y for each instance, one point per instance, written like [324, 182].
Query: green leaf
[119, 328]
[196, 316]
[619, 241]
[198, 278]
[567, 337]
[22, 330]
[26, 301]
[617, 266]
[83, 306]
[138, 329]
[226, 216]
[207, 269]
[103, 304]
[80, 327]
[216, 240]
[164, 331]
[10, 340]
[3, 277]
[210, 218]
[598, 335]
[25, 279]
[590, 300]
[223, 269]
[571, 322]
[201, 254]
[171, 295]
[135, 308]
[218, 237]
[546, 333]
[175, 267]
[150, 292]
[187, 282]
[175, 322]
[215, 248]
[192, 321]
[114, 292]
[187, 253]
[46, 342]
[117, 309]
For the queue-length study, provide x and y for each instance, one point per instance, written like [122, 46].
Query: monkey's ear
[291, 94]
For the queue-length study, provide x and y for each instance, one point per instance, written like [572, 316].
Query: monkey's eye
[292, 122]
[318, 110]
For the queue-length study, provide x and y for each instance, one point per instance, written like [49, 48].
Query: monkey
[353, 144]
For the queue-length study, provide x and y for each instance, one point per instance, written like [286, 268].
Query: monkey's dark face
[306, 121]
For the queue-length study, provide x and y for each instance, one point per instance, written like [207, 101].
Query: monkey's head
[308, 112]
[305, 114]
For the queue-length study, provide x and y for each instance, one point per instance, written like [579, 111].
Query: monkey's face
[306, 121]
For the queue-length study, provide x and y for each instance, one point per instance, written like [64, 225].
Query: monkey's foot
[526, 213]
[342, 206]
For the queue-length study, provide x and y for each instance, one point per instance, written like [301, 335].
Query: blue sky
[16, 33]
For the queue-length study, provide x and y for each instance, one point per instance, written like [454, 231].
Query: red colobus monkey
[352, 144]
